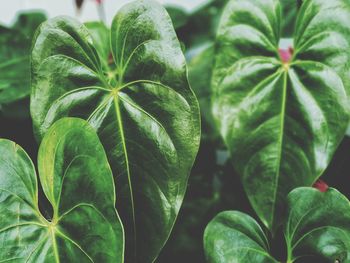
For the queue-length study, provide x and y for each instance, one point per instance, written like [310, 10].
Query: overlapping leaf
[281, 121]
[141, 107]
[78, 183]
[317, 230]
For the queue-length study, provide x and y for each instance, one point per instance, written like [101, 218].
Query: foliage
[78, 182]
[142, 109]
[317, 229]
[128, 83]
[282, 122]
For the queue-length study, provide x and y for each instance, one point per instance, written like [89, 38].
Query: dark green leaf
[78, 182]
[142, 108]
[101, 37]
[289, 10]
[281, 121]
[317, 230]
[178, 15]
[199, 72]
[15, 43]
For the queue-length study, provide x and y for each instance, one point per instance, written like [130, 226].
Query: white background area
[9, 8]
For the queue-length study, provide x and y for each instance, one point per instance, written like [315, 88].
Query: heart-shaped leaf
[15, 43]
[317, 230]
[281, 121]
[142, 108]
[78, 183]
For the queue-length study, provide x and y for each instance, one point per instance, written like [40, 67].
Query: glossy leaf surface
[281, 121]
[15, 43]
[78, 183]
[142, 108]
[317, 230]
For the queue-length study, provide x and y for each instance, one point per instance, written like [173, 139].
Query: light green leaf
[142, 108]
[78, 183]
[281, 121]
[317, 229]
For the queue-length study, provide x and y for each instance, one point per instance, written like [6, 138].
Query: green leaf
[317, 230]
[233, 236]
[100, 36]
[142, 108]
[78, 182]
[15, 43]
[199, 73]
[178, 16]
[281, 121]
[289, 10]
[318, 226]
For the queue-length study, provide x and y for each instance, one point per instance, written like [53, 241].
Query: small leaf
[78, 182]
[233, 236]
[317, 229]
[318, 225]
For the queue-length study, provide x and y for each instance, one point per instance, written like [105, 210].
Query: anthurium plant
[78, 182]
[119, 129]
[281, 120]
[282, 115]
[316, 229]
[139, 103]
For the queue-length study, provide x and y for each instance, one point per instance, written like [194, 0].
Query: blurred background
[88, 12]
[213, 184]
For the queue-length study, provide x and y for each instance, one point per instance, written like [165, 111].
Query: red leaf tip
[321, 186]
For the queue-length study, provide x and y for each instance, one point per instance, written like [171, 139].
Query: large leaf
[15, 43]
[317, 230]
[78, 183]
[281, 121]
[142, 109]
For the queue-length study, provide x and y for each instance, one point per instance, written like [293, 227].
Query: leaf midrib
[280, 143]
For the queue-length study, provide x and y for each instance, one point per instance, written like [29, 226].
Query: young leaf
[15, 43]
[282, 121]
[78, 182]
[142, 108]
[233, 236]
[318, 226]
[317, 230]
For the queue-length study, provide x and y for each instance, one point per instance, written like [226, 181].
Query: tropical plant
[78, 182]
[141, 106]
[317, 229]
[282, 121]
